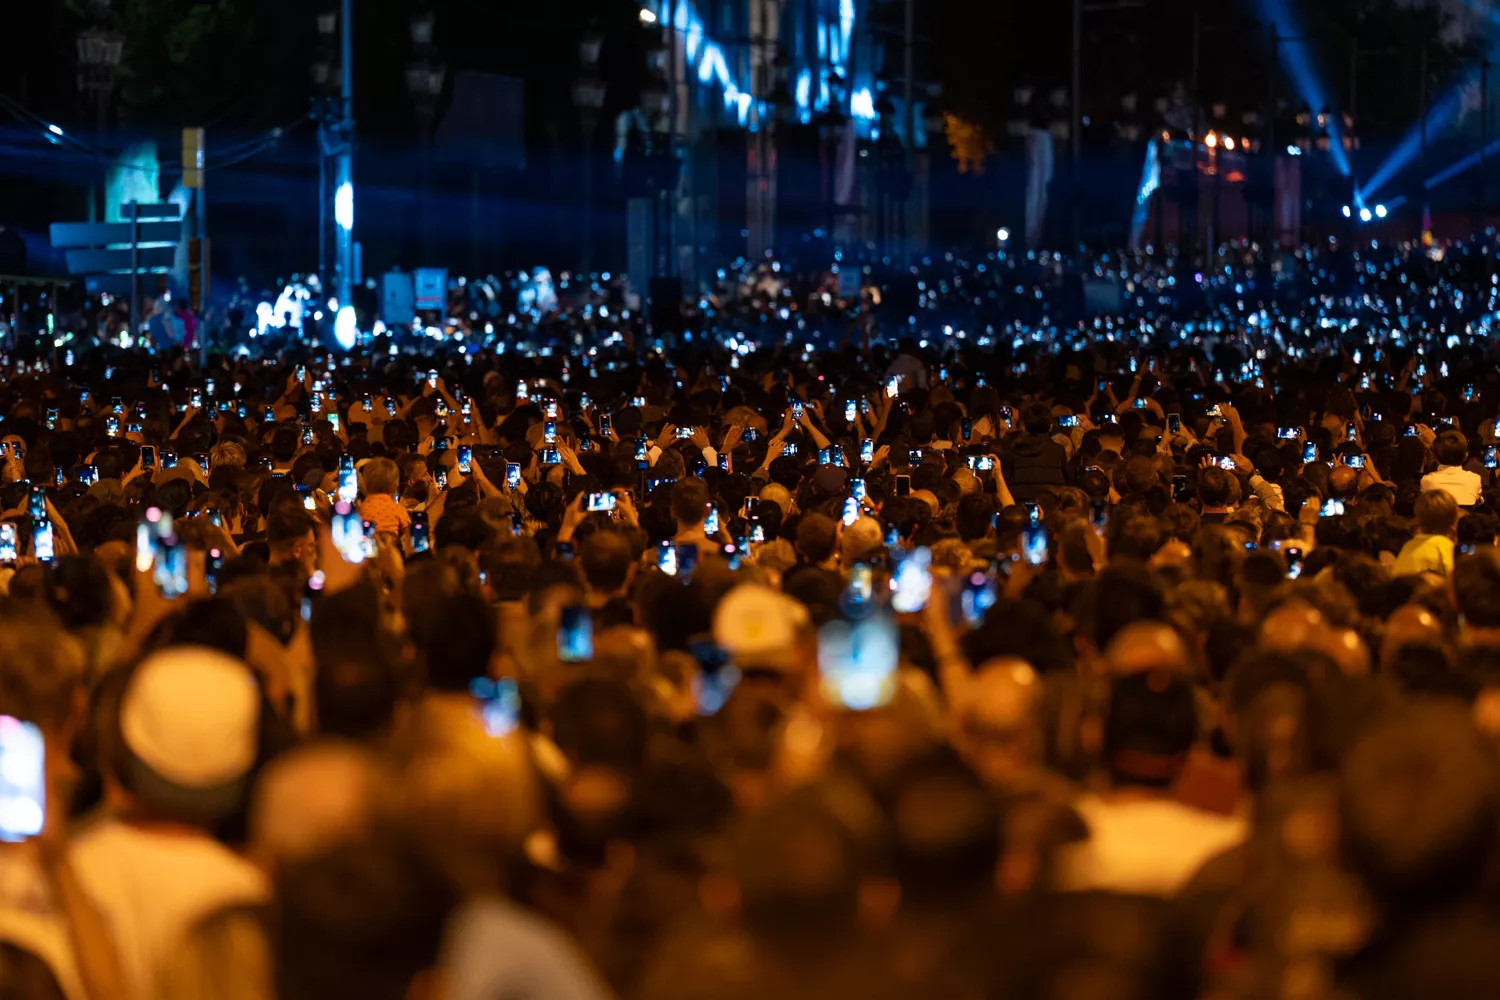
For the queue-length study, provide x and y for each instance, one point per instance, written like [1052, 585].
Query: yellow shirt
[1425, 554]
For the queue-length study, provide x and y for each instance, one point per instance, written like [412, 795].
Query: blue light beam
[1294, 60]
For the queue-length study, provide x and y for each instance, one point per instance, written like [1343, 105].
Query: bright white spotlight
[1293, 150]
[1229, 143]
[346, 328]
[1365, 215]
[1380, 211]
[1002, 234]
[343, 206]
[648, 16]
[1211, 140]
[55, 129]
[1347, 212]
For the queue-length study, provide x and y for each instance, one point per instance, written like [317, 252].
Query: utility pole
[909, 113]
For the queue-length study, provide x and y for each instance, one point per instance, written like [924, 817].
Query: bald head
[999, 733]
[312, 799]
[1290, 626]
[860, 539]
[1407, 625]
[1144, 646]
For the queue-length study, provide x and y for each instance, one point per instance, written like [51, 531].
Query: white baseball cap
[191, 716]
[759, 627]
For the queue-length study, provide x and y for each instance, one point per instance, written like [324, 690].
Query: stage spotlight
[1365, 215]
[1211, 140]
[1347, 212]
[1380, 211]
[648, 16]
[1002, 234]
[1229, 143]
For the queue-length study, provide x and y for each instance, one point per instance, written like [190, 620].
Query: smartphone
[170, 570]
[1411, 431]
[1293, 556]
[666, 558]
[390, 407]
[549, 456]
[914, 456]
[1068, 420]
[710, 520]
[606, 425]
[1099, 515]
[1331, 508]
[1215, 411]
[851, 511]
[911, 583]
[307, 436]
[1287, 433]
[903, 486]
[1355, 461]
[549, 432]
[1226, 463]
[857, 662]
[112, 426]
[512, 475]
[976, 598]
[440, 476]
[88, 475]
[1139, 404]
[499, 704]
[348, 533]
[1309, 452]
[195, 399]
[797, 410]
[851, 411]
[867, 451]
[856, 490]
[893, 386]
[148, 456]
[1491, 458]
[601, 502]
[421, 537]
[9, 551]
[1033, 511]
[1034, 545]
[465, 458]
[1174, 423]
[348, 479]
[52, 418]
[642, 459]
[23, 779]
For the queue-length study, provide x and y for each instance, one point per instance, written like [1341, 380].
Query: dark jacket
[1036, 462]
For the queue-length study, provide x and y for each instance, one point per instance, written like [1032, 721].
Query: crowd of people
[1147, 654]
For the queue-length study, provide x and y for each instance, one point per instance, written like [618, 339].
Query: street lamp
[588, 97]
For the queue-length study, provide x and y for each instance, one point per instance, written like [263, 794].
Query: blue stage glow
[1294, 59]
[1438, 115]
[1459, 166]
[862, 104]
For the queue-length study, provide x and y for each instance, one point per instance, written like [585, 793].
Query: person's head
[41, 674]
[1437, 513]
[364, 918]
[186, 735]
[607, 561]
[313, 799]
[945, 833]
[999, 733]
[1037, 418]
[859, 540]
[1150, 727]
[1217, 489]
[381, 476]
[1476, 589]
[289, 533]
[1419, 796]
[975, 517]
[690, 502]
[817, 538]
[454, 638]
[1450, 448]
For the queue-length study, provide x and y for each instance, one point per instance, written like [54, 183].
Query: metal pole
[344, 169]
[135, 269]
[910, 124]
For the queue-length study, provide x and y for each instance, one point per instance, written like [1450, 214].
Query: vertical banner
[1038, 181]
